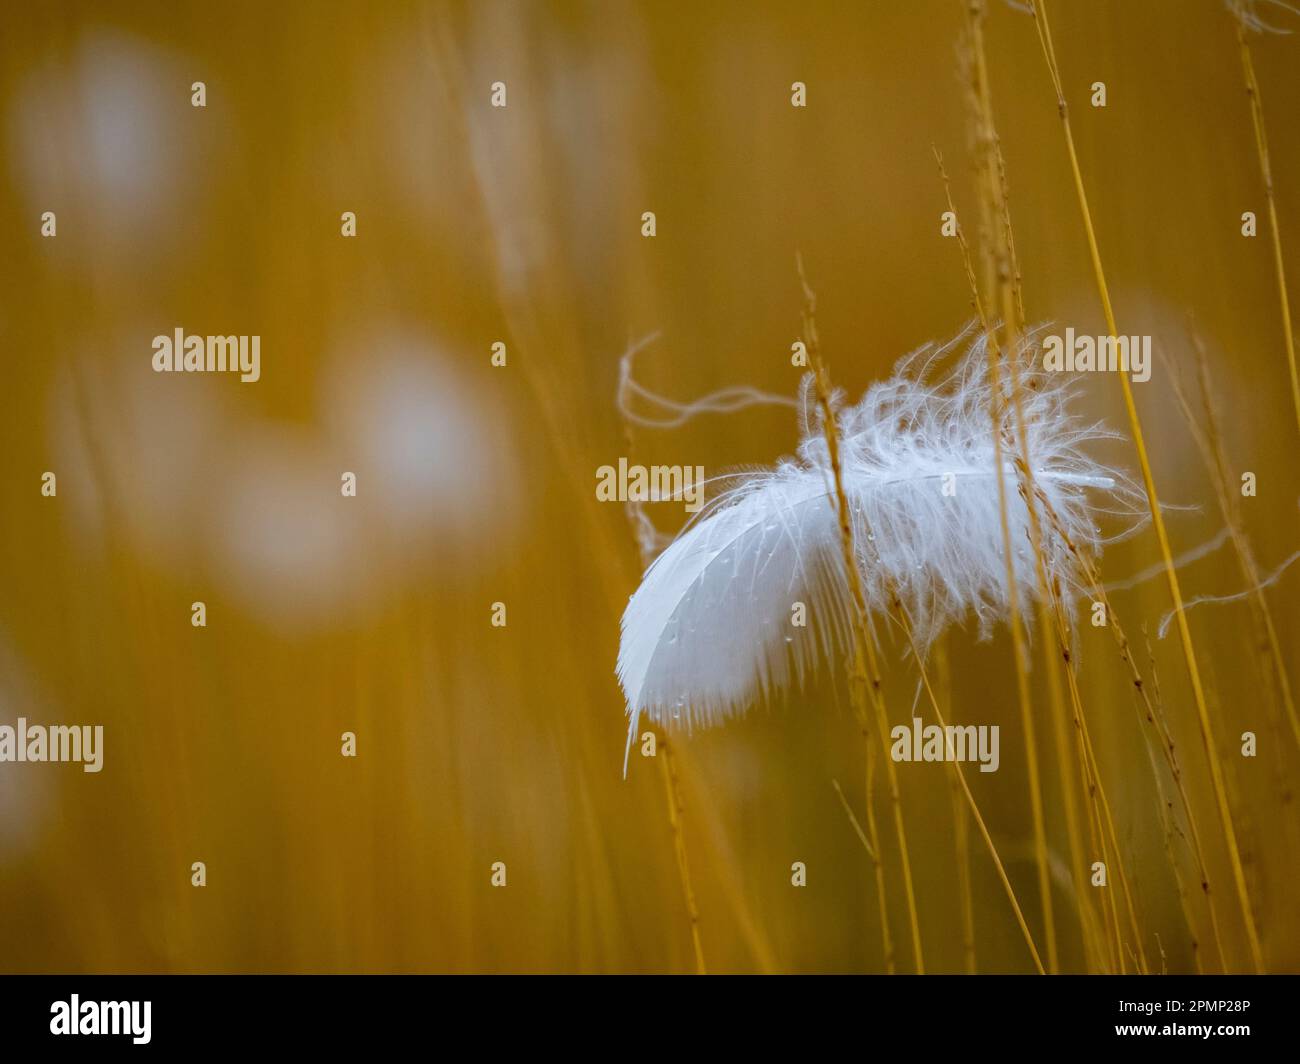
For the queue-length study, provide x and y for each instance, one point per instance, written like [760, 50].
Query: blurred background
[475, 224]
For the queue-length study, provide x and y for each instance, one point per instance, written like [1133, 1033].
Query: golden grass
[864, 651]
[1152, 714]
[998, 268]
[863, 641]
[480, 744]
[1209, 441]
[1157, 520]
[1266, 172]
[638, 519]
[960, 818]
[673, 793]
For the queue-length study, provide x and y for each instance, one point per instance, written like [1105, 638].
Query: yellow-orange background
[476, 484]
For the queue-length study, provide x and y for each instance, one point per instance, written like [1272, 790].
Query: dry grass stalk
[1092, 944]
[865, 648]
[1185, 635]
[904, 622]
[864, 651]
[672, 789]
[961, 823]
[1266, 172]
[673, 792]
[1170, 827]
[997, 267]
[872, 846]
[1209, 441]
[1153, 716]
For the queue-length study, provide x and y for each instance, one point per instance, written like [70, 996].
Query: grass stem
[1184, 632]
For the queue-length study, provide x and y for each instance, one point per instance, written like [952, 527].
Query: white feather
[709, 630]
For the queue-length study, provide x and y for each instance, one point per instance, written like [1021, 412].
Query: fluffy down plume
[710, 628]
